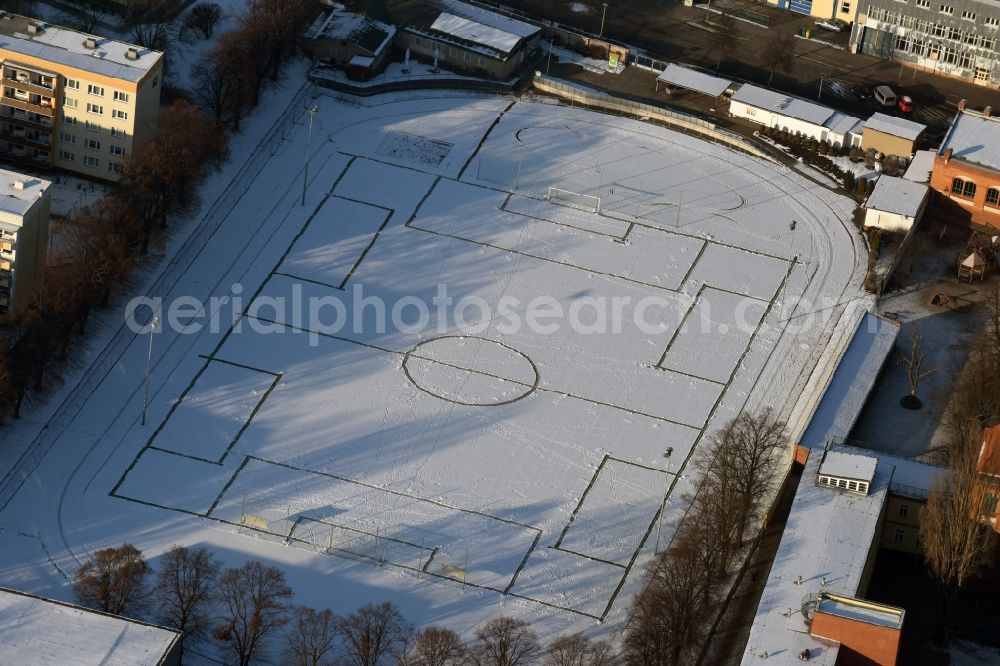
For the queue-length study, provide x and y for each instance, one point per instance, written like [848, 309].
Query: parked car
[905, 104]
[832, 25]
[862, 93]
[884, 96]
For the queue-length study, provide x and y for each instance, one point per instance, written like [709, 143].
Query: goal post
[563, 197]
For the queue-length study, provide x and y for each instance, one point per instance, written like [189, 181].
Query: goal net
[574, 200]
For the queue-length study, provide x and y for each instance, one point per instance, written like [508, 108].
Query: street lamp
[822, 77]
[149, 359]
[666, 489]
[604, 15]
[313, 110]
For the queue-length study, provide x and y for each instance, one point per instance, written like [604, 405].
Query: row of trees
[100, 244]
[957, 545]
[670, 618]
[230, 79]
[247, 609]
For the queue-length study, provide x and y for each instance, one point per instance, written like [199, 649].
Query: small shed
[890, 135]
[354, 41]
[896, 204]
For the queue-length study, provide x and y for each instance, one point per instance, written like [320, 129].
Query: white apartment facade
[72, 100]
[24, 232]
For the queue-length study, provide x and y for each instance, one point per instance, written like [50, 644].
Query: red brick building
[988, 477]
[967, 166]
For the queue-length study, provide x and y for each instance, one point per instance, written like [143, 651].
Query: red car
[905, 104]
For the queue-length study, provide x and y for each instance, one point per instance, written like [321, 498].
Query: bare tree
[668, 618]
[577, 650]
[312, 638]
[505, 641]
[434, 646]
[184, 590]
[255, 602]
[915, 372]
[203, 18]
[779, 53]
[956, 542]
[87, 14]
[374, 635]
[724, 39]
[113, 580]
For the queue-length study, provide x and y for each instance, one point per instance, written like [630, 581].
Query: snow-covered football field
[505, 465]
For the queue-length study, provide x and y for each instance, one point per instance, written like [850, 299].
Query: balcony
[36, 83]
[22, 116]
[36, 104]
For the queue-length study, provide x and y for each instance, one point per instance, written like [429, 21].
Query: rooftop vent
[18, 185]
[35, 28]
[90, 43]
[132, 54]
[847, 471]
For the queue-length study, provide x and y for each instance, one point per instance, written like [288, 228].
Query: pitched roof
[692, 79]
[371, 35]
[974, 138]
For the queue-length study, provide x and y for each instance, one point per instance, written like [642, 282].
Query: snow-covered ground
[461, 471]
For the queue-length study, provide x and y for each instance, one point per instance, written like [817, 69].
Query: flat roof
[848, 465]
[974, 138]
[787, 105]
[44, 632]
[912, 478]
[863, 611]
[20, 201]
[692, 79]
[897, 195]
[66, 47]
[901, 127]
[851, 382]
[478, 33]
[827, 537]
[368, 33]
[920, 167]
[488, 18]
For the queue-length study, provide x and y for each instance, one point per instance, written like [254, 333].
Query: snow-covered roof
[67, 47]
[848, 466]
[19, 201]
[974, 138]
[371, 35]
[861, 611]
[37, 631]
[920, 167]
[912, 478]
[793, 107]
[851, 383]
[897, 195]
[827, 537]
[488, 18]
[463, 28]
[692, 79]
[901, 127]
[841, 123]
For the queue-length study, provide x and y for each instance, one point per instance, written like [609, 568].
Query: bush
[849, 181]
[855, 154]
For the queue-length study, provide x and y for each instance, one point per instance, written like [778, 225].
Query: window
[863, 488]
[95, 90]
[890, 17]
[947, 10]
[852, 485]
[92, 144]
[992, 21]
[971, 38]
[92, 127]
[120, 115]
[965, 60]
[969, 15]
[453, 52]
[845, 8]
[73, 84]
[114, 167]
[69, 102]
[955, 34]
[842, 483]
[993, 196]
[924, 4]
[950, 55]
[963, 188]
[95, 108]
[923, 26]
[990, 505]
[467, 56]
[918, 47]
[121, 96]
[904, 509]
[116, 150]
[69, 120]
[908, 22]
[903, 43]
[66, 137]
[67, 156]
[416, 41]
[898, 536]
[989, 43]
[482, 61]
[118, 133]
[939, 30]
[91, 161]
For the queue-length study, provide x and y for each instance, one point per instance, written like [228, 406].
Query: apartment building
[967, 165]
[72, 100]
[24, 233]
[952, 37]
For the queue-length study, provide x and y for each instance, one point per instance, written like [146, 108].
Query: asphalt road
[686, 34]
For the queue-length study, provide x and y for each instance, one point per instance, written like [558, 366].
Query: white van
[885, 96]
